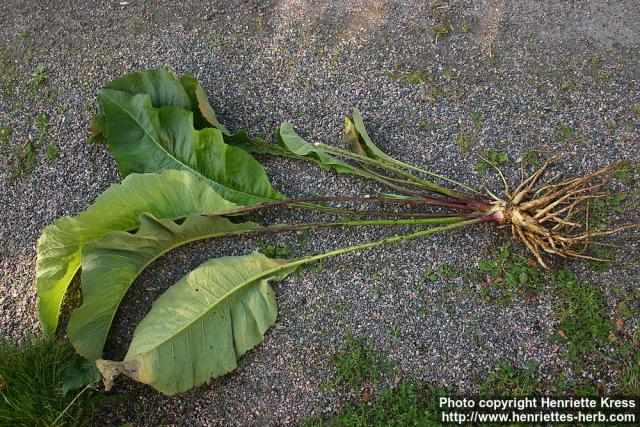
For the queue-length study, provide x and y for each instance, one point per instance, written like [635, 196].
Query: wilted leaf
[357, 135]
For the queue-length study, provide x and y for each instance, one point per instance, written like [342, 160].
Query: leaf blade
[172, 194]
[111, 264]
[143, 138]
[199, 327]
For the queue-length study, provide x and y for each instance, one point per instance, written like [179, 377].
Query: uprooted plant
[189, 178]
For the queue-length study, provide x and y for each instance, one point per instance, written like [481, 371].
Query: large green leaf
[165, 89]
[112, 263]
[289, 139]
[172, 194]
[201, 325]
[143, 138]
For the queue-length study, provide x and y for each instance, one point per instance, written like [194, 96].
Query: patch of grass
[508, 273]
[564, 133]
[52, 151]
[448, 74]
[584, 324]
[510, 381]
[594, 62]
[446, 271]
[30, 386]
[407, 405]
[606, 254]
[40, 75]
[428, 126]
[465, 27]
[629, 376]
[358, 363]
[6, 133]
[417, 77]
[602, 207]
[440, 31]
[493, 157]
[464, 142]
[626, 173]
[477, 119]
[636, 110]
[276, 251]
[24, 160]
[530, 158]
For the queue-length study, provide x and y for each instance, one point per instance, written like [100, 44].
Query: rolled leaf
[112, 263]
[143, 138]
[357, 135]
[201, 325]
[290, 140]
[172, 194]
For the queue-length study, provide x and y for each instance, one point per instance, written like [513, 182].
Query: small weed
[428, 126]
[602, 207]
[636, 110]
[448, 74]
[52, 151]
[594, 62]
[510, 381]
[42, 123]
[493, 157]
[464, 142]
[417, 77]
[40, 75]
[563, 133]
[429, 276]
[466, 27]
[318, 52]
[358, 363]
[477, 120]
[584, 324]
[440, 31]
[274, 251]
[446, 272]
[611, 124]
[508, 273]
[530, 158]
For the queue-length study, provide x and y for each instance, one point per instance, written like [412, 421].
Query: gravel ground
[527, 68]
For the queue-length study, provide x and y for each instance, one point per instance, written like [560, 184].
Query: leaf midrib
[226, 295]
[170, 248]
[175, 159]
